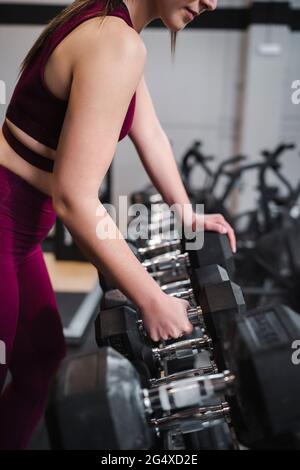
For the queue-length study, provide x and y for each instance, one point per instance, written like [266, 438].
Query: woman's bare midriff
[58, 77]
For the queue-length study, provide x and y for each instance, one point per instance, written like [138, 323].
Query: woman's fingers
[173, 321]
[188, 329]
[154, 336]
[219, 224]
[215, 227]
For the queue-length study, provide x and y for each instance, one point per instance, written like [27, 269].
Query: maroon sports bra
[33, 107]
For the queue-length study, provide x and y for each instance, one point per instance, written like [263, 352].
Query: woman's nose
[209, 4]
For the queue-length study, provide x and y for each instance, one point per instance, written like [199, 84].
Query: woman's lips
[190, 14]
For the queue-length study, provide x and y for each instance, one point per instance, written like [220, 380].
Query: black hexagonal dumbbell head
[216, 250]
[221, 301]
[96, 404]
[99, 404]
[114, 298]
[121, 328]
[260, 355]
[118, 327]
[216, 294]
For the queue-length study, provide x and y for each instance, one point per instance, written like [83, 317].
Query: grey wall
[195, 98]
[223, 89]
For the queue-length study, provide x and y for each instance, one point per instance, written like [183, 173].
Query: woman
[81, 90]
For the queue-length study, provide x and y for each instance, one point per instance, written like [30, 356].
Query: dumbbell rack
[214, 389]
[220, 435]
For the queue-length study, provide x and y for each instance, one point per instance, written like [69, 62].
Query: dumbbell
[156, 249]
[174, 266]
[161, 216]
[216, 294]
[196, 365]
[221, 301]
[121, 328]
[218, 297]
[258, 350]
[159, 224]
[176, 286]
[185, 294]
[149, 197]
[143, 233]
[115, 297]
[160, 211]
[195, 372]
[216, 250]
[98, 404]
[210, 282]
[141, 253]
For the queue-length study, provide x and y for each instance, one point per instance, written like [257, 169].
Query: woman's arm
[156, 154]
[104, 81]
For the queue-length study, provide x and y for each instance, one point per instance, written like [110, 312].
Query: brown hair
[67, 13]
[173, 43]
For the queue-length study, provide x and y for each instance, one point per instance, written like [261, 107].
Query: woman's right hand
[166, 318]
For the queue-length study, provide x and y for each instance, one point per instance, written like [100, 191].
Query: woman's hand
[215, 223]
[166, 318]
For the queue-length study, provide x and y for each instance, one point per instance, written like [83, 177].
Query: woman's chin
[175, 28]
[176, 25]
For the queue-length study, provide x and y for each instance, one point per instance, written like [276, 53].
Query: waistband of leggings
[24, 152]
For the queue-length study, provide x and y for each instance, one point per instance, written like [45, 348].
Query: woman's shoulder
[99, 34]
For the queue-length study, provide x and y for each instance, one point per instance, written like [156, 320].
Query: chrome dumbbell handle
[156, 198]
[189, 392]
[195, 316]
[187, 294]
[209, 369]
[159, 248]
[188, 418]
[160, 238]
[173, 287]
[171, 351]
[170, 264]
[166, 277]
[157, 226]
[161, 213]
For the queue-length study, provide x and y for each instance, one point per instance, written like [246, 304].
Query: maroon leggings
[30, 326]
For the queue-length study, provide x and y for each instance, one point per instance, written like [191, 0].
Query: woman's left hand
[216, 223]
